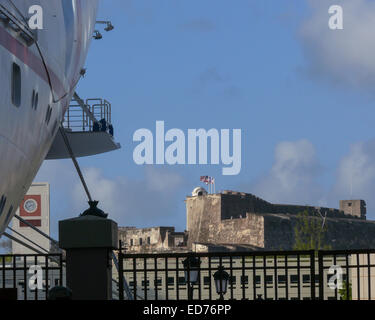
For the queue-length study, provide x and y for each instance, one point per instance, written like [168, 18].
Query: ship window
[16, 85]
[3, 201]
[34, 100]
[48, 114]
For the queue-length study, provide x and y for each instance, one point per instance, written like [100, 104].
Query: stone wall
[237, 204]
[201, 211]
[248, 230]
[341, 234]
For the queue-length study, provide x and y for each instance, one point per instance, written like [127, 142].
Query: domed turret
[199, 191]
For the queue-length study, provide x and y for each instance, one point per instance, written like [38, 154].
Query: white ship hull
[25, 135]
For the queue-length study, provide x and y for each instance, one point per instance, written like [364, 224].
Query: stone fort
[240, 221]
[243, 219]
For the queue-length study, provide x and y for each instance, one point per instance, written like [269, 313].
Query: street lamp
[97, 35]
[109, 25]
[221, 278]
[191, 267]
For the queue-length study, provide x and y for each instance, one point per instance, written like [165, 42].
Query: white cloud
[292, 177]
[356, 172]
[140, 202]
[347, 55]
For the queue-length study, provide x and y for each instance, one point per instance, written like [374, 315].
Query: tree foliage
[309, 233]
[346, 291]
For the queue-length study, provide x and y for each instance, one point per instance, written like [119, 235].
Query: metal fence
[20, 273]
[278, 275]
[257, 275]
[347, 274]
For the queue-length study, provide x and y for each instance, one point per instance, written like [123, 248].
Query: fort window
[170, 281]
[140, 241]
[306, 278]
[329, 277]
[182, 281]
[131, 242]
[349, 204]
[148, 240]
[147, 283]
[294, 278]
[16, 85]
[281, 279]
[244, 279]
[269, 279]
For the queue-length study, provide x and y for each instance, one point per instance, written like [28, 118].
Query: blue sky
[299, 91]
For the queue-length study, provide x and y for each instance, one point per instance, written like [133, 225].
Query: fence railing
[277, 275]
[31, 276]
[251, 276]
[348, 274]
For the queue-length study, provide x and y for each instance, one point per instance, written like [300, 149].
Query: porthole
[16, 85]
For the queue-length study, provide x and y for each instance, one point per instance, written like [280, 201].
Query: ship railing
[90, 117]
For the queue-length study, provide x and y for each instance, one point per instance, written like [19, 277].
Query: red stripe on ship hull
[23, 53]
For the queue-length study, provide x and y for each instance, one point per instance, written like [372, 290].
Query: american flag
[207, 180]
